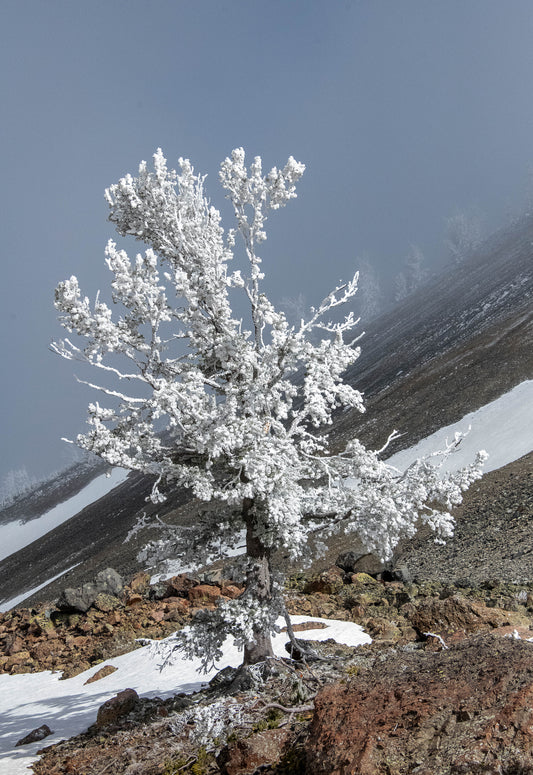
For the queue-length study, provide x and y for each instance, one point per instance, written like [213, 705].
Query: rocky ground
[444, 687]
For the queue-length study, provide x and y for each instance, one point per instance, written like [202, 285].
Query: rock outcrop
[463, 710]
[107, 582]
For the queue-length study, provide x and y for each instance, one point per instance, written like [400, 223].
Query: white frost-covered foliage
[15, 483]
[464, 233]
[212, 402]
[413, 275]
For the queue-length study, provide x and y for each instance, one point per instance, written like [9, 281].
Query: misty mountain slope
[56, 489]
[455, 345]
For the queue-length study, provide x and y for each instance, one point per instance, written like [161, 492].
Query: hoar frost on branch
[213, 403]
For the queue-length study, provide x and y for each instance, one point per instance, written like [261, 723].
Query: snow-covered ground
[503, 428]
[16, 535]
[69, 707]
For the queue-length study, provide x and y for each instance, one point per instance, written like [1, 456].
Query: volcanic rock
[82, 598]
[461, 710]
[37, 734]
[245, 756]
[117, 707]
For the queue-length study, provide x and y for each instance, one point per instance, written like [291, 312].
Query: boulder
[107, 582]
[460, 710]
[117, 707]
[360, 562]
[259, 750]
[37, 734]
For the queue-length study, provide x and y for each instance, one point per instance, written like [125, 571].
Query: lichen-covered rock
[35, 735]
[458, 613]
[117, 707]
[82, 598]
[259, 750]
[462, 710]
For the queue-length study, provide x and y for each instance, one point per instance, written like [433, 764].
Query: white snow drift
[504, 428]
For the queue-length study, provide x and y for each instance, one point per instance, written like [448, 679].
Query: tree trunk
[258, 584]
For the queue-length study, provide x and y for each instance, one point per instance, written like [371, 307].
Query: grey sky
[402, 110]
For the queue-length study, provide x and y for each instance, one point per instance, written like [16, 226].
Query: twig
[113, 761]
[190, 760]
[293, 709]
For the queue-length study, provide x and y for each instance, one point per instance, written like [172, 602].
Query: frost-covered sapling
[234, 409]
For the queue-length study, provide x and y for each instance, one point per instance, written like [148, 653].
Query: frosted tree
[211, 401]
[464, 232]
[14, 484]
[295, 308]
[412, 276]
[370, 293]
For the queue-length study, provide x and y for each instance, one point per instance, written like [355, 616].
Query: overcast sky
[402, 111]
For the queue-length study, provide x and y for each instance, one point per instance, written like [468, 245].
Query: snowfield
[16, 535]
[503, 428]
[68, 707]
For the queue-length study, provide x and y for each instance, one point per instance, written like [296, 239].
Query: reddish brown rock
[117, 707]
[204, 593]
[37, 734]
[231, 590]
[463, 710]
[458, 613]
[102, 673]
[245, 756]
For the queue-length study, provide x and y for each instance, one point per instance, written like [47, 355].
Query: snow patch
[504, 428]
[5, 605]
[16, 535]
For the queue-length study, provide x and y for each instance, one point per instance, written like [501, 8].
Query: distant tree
[412, 276]
[400, 287]
[217, 408]
[371, 297]
[14, 484]
[464, 232]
